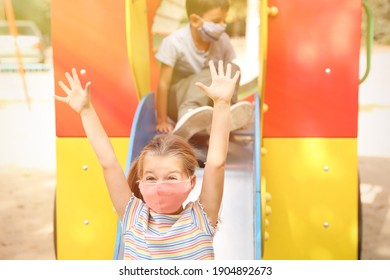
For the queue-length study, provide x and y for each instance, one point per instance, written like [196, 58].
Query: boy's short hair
[200, 7]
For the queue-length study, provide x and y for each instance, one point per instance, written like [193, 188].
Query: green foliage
[34, 10]
[381, 13]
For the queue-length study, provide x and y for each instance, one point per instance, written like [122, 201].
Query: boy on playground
[184, 55]
[150, 201]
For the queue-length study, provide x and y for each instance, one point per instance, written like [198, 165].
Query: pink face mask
[165, 197]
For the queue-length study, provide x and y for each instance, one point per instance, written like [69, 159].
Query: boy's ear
[195, 21]
[193, 181]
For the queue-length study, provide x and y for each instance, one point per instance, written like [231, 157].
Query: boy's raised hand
[77, 97]
[222, 86]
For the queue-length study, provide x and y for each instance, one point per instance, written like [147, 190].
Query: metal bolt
[273, 11]
[326, 168]
[326, 224]
[327, 70]
[86, 222]
[85, 167]
[268, 210]
[83, 71]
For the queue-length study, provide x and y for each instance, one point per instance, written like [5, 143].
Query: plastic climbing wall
[90, 36]
[310, 129]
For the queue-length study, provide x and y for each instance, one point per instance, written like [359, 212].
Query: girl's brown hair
[162, 145]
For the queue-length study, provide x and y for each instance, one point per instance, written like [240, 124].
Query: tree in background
[236, 20]
[381, 13]
[37, 11]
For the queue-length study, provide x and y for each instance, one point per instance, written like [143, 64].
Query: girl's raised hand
[222, 86]
[77, 97]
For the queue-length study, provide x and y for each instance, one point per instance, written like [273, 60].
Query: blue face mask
[210, 31]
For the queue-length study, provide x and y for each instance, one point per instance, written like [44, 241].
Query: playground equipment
[304, 132]
[310, 129]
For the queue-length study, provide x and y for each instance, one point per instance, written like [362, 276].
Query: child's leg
[190, 107]
[178, 94]
[189, 96]
[186, 96]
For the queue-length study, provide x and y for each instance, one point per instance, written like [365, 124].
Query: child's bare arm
[220, 91]
[79, 100]
[163, 125]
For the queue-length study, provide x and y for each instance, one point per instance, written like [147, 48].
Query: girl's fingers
[228, 70]
[201, 86]
[220, 67]
[87, 88]
[65, 88]
[75, 76]
[213, 71]
[235, 78]
[70, 79]
[61, 98]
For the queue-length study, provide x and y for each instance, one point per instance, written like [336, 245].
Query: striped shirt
[152, 236]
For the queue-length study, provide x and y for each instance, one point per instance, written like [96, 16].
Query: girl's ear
[195, 21]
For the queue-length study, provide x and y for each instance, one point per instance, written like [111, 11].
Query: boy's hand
[222, 86]
[164, 127]
[77, 97]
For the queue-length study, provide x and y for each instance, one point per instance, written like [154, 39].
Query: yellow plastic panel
[85, 218]
[137, 37]
[314, 188]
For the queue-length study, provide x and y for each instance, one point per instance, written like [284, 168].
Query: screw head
[326, 224]
[326, 168]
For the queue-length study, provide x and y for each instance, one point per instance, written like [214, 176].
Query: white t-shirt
[178, 50]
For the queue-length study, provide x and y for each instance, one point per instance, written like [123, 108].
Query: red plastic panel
[91, 35]
[313, 69]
